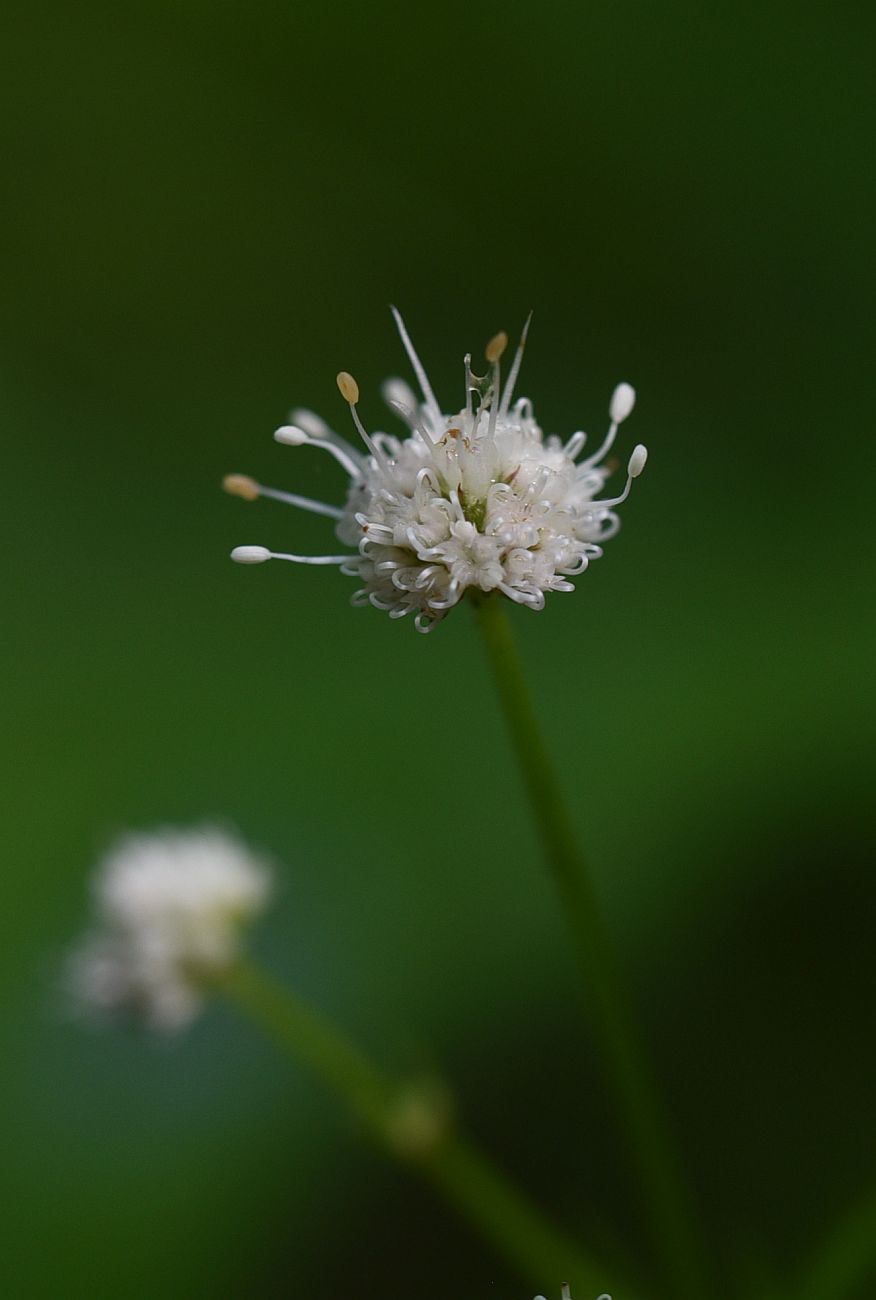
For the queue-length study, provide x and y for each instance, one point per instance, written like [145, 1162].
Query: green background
[208, 209]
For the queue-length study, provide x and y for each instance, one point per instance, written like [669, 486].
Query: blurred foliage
[208, 208]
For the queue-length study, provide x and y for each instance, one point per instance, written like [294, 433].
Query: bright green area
[207, 209]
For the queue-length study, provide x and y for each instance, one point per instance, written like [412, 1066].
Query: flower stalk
[613, 1023]
[444, 1158]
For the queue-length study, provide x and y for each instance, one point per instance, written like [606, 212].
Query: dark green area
[208, 208]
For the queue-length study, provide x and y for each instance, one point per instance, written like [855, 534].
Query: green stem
[846, 1260]
[613, 1022]
[446, 1160]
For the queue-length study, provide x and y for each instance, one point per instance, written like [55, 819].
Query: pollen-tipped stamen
[623, 399]
[260, 554]
[241, 485]
[349, 390]
[634, 468]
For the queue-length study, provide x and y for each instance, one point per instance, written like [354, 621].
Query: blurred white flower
[169, 910]
[479, 498]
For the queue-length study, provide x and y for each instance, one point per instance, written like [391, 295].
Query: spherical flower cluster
[476, 499]
[170, 907]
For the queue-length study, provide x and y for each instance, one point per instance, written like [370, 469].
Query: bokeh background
[208, 208]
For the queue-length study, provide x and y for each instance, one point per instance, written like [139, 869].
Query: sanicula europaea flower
[170, 907]
[478, 499]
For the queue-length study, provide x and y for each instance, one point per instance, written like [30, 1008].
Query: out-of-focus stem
[451, 1164]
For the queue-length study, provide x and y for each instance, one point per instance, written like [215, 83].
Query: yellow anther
[241, 485]
[348, 388]
[496, 346]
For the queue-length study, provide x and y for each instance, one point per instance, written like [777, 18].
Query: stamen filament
[496, 346]
[414, 423]
[515, 369]
[416, 363]
[303, 503]
[311, 559]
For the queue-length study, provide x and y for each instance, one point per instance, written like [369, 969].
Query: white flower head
[170, 907]
[476, 499]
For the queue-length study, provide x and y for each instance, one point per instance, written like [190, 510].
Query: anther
[250, 554]
[623, 399]
[348, 388]
[241, 485]
[637, 461]
[496, 346]
[291, 435]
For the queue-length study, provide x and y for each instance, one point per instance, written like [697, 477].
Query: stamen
[241, 485]
[349, 390]
[259, 554]
[634, 468]
[623, 399]
[346, 456]
[417, 365]
[515, 369]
